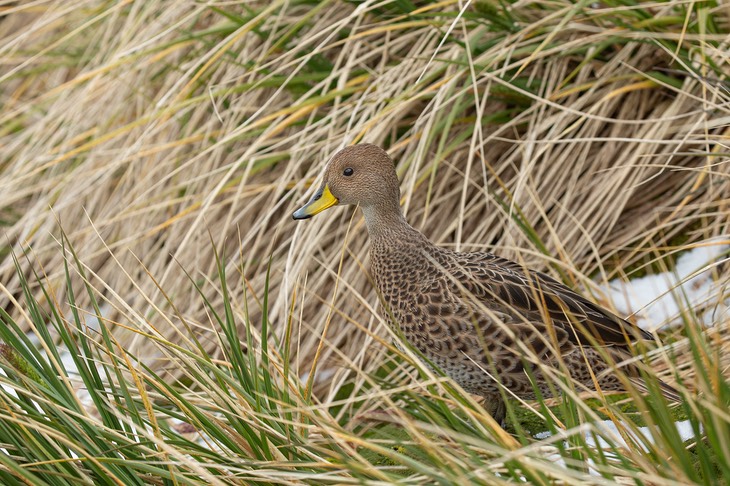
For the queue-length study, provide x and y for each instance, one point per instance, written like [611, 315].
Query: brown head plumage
[361, 175]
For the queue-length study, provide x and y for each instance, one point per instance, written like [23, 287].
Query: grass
[588, 140]
[79, 407]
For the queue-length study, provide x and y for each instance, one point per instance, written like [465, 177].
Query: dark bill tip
[300, 214]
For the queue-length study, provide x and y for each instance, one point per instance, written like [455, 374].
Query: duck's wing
[536, 296]
[535, 310]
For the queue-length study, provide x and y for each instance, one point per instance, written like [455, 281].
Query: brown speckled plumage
[475, 315]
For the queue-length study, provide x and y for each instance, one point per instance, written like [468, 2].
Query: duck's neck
[385, 220]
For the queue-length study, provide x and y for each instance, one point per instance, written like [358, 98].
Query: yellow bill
[321, 200]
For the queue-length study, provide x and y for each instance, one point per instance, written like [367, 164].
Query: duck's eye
[348, 172]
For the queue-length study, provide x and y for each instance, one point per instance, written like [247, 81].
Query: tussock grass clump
[136, 138]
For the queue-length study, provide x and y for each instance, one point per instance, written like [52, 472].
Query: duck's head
[361, 175]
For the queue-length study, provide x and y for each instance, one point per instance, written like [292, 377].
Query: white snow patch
[322, 376]
[607, 428]
[641, 436]
[658, 300]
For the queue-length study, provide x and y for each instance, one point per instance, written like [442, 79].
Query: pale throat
[384, 218]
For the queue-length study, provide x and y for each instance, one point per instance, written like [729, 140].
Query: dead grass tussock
[148, 129]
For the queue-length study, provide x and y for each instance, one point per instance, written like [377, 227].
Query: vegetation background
[151, 154]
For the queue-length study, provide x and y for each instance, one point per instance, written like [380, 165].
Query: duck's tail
[668, 391]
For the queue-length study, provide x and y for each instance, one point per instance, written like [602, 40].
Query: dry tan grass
[146, 130]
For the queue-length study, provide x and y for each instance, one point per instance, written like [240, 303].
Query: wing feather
[535, 295]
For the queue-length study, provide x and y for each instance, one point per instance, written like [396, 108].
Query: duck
[496, 328]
